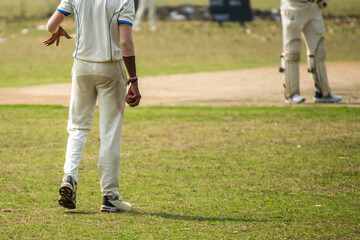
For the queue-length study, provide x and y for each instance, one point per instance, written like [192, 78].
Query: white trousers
[302, 18]
[299, 18]
[143, 4]
[107, 81]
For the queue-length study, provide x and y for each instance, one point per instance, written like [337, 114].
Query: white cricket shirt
[97, 31]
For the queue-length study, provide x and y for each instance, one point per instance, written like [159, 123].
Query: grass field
[178, 47]
[191, 173]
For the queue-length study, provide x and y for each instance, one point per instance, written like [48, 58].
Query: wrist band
[132, 80]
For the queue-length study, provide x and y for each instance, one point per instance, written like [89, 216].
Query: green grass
[177, 47]
[191, 173]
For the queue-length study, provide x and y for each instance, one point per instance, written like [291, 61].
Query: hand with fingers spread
[133, 95]
[55, 37]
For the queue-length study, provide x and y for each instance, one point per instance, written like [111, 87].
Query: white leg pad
[291, 65]
[317, 68]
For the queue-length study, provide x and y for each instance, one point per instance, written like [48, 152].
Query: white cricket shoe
[332, 98]
[115, 205]
[296, 98]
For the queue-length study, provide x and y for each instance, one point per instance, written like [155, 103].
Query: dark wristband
[132, 80]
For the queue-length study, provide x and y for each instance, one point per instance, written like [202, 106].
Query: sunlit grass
[191, 173]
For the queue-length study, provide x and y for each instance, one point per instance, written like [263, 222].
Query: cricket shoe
[296, 98]
[115, 205]
[67, 193]
[331, 98]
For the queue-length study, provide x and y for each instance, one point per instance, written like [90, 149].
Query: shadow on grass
[185, 218]
[210, 219]
[81, 213]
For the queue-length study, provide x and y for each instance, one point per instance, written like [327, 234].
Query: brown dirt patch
[260, 87]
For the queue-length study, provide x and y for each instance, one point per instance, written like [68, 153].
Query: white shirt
[97, 31]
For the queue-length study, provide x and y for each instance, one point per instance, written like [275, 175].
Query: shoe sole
[66, 194]
[105, 208]
[326, 101]
[290, 102]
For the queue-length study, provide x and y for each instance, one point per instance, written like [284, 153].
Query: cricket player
[103, 44]
[303, 17]
[143, 4]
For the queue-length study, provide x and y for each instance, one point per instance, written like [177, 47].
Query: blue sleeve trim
[122, 21]
[64, 12]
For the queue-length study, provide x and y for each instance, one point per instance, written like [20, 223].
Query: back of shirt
[97, 31]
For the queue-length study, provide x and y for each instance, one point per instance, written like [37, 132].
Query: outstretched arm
[53, 26]
[128, 50]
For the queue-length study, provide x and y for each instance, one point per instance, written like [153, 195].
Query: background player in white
[104, 42]
[303, 17]
[143, 4]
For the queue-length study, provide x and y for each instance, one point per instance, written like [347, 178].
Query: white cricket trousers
[302, 18]
[143, 4]
[106, 81]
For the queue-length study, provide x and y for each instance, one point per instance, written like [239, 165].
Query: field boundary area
[258, 87]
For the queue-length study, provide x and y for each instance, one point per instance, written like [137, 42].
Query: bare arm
[53, 26]
[55, 21]
[128, 50]
[126, 40]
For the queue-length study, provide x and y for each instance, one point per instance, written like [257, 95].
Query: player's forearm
[52, 29]
[127, 48]
[55, 21]
[130, 65]
[128, 52]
